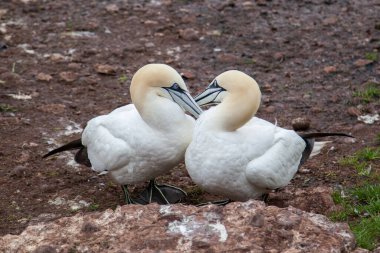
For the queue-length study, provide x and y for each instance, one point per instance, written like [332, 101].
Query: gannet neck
[147, 95]
[159, 112]
[239, 105]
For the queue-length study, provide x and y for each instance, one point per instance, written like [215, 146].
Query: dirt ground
[67, 61]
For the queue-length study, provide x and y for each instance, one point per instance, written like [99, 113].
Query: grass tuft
[361, 209]
[361, 160]
[372, 56]
[7, 108]
[370, 93]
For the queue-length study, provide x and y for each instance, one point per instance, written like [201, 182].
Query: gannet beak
[209, 96]
[185, 100]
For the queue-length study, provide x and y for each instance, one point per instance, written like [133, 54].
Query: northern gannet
[237, 155]
[140, 141]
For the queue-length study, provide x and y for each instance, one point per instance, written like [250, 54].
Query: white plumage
[234, 154]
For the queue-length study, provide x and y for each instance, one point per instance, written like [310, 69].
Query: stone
[187, 74]
[189, 34]
[52, 108]
[301, 124]
[353, 111]
[105, 69]
[330, 69]
[112, 8]
[44, 77]
[68, 76]
[57, 57]
[330, 21]
[270, 109]
[362, 62]
[227, 58]
[267, 88]
[180, 228]
[313, 199]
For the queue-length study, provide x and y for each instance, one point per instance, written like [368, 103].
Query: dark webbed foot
[128, 198]
[222, 202]
[162, 194]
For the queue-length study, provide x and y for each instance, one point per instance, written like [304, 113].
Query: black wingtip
[75, 144]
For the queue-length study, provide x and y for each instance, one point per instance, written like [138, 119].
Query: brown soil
[308, 56]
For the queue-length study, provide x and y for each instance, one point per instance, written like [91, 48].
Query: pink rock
[238, 227]
[105, 69]
[44, 77]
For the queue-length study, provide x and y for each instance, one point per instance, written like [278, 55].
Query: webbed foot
[162, 194]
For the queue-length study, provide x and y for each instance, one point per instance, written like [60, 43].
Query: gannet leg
[162, 194]
[128, 198]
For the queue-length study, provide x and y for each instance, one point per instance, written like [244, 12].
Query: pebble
[227, 58]
[330, 21]
[44, 77]
[56, 57]
[53, 108]
[112, 8]
[187, 74]
[189, 34]
[270, 109]
[267, 87]
[330, 69]
[68, 76]
[353, 111]
[279, 56]
[301, 124]
[362, 62]
[18, 171]
[105, 69]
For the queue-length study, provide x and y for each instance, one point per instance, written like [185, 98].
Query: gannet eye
[214, 84]
[176, 87]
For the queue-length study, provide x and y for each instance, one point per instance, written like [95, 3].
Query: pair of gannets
[231, 153]
[140, 141]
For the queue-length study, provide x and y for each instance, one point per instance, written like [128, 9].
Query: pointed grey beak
[209, 96]
[186, 101]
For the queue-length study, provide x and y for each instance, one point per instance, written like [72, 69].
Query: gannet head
[163, 81]
[230, 82]
[239, 95]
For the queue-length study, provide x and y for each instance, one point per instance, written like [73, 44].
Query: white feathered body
[245, 163]
[132, 151]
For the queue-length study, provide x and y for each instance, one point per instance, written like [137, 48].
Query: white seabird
[143, 140]
[237, 155]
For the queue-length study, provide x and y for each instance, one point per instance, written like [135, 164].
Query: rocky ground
[64, 62]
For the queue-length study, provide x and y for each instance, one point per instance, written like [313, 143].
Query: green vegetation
[361, 160]
[361, 209]
[7, 108]
[361, 204]
[372, 56]
[371, 92]
[93, 207]
[122, 78]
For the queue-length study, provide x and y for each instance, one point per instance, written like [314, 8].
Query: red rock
[330, 21]
[330, 69]
[227, 58]
[53, 108]
[189, 34]
[68, 76]
[267, 87]
[112, 8]
[44, 77]
[105, 69]
[362, 62]
[180, 228]
[353, 111]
